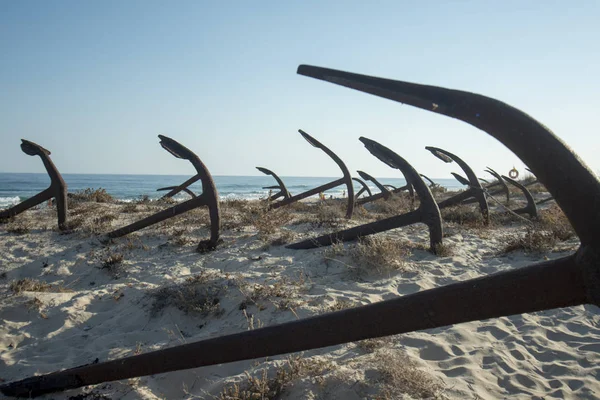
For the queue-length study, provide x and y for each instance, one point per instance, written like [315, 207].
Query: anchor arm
[530, 208]
[500, 181]
[347, 179]
[364, 188]
[474, 183]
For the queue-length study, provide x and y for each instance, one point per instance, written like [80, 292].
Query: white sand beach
[69, 299]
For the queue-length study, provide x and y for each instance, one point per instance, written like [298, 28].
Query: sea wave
[6, 202]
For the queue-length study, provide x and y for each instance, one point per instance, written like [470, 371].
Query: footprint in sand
[408, 288]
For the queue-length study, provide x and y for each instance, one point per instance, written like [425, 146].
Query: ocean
[16, 187]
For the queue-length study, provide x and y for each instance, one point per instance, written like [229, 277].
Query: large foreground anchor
[345, 180]
[564, 282]
[283, 192]
[208, 198]
[427, 213]
[475, 190]
[57, 188]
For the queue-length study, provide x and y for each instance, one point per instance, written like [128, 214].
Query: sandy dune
[162, 293]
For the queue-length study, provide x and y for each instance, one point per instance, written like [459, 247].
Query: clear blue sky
[96, 82]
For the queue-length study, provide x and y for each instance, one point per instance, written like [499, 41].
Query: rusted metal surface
[530, 208]
[345, 180]
[56, 190]
[564, 282]
[364, 188]
[428, 213]
[283, 192]
[475, 190]
[386, 193]
[208, 198]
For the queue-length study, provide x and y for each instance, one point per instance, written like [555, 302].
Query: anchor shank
[309, 193]
[361, 230]
[33, 201]
[160, 216]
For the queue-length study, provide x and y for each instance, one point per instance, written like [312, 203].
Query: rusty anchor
[56, 190]
[563, 282]
[363, 189]
[475, 190]
[345, 180]
[499, 181]
[283, 192]
[427, 213]
[382, 189]
[531, 207]
[389, 190]
[185, 189]
[208, 198]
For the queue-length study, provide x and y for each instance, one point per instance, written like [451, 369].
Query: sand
[163, 293]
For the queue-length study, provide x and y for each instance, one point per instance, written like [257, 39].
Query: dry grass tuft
[443, 250]
[400, 377]
[552, 226]
[341, 304]
[535, 240]
[399, 203]
[18, 227]
[34, 285]
[553, 219]
[283, 292]
[112, 263]
[261, 387]
[90, 195]
[382, 254]
[198, 294]
[463, 215]
[329, 215]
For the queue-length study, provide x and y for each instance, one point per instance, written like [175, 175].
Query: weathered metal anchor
[530, 208]
[208, 198]
[499, 182]
[427, 213]
[475, 190]
[389, 190]
[283, 192]
[345, 180]
[364, 188]
[56, 190]
[386, 193]
[564, 282]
